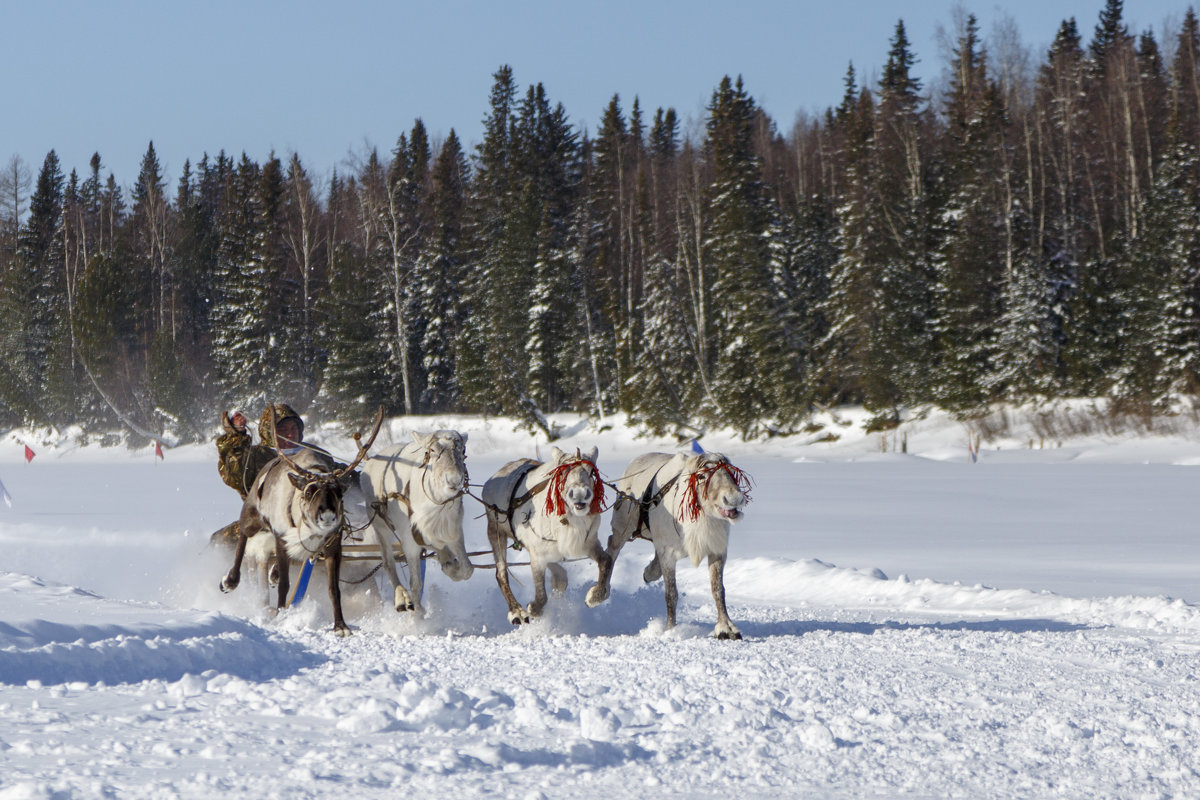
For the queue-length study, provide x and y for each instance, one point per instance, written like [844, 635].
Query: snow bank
[813, 583]
[54, 634]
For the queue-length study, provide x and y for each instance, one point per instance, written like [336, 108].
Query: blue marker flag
[696, 448]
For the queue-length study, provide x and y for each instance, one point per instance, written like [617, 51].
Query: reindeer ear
[558, 455]
[592, 454]
[695, 462]
[422, 438]
[462, 437]
[297, 480]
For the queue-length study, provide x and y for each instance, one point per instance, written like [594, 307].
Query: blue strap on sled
[408, 566]
[302, 583]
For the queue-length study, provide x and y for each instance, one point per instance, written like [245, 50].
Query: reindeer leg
[716, 572]
[285, 573]
[499, 540]
[383, 537]
[599, 593]
[234, 576]
[667, 566]
[653, 570]
[538, 569]
[333, 571]
[558, 578]
[624, 524]
[412, 554]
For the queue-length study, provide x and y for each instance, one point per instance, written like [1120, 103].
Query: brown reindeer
[299, 501]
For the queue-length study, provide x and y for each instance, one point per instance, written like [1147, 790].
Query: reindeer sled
[414, 493]
[552, 511]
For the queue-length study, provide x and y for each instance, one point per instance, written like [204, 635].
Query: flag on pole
[5, 496]
[696, 448]
[29, 454]
[158, 453]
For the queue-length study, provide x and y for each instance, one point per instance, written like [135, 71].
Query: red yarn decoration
[556, 504]
[689, 505]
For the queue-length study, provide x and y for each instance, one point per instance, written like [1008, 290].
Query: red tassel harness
[556, 505]
[689, 505]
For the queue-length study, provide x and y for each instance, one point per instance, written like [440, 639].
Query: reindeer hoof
[652, 572]
[228, 584]
[596, 595]
[273, 575]
[733, 635]
[402, 599]
[518, 617]
[342, 631]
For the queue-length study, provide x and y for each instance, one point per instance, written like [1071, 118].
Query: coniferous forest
[1027, 229]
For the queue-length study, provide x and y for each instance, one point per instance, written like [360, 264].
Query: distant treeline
[1029, 230]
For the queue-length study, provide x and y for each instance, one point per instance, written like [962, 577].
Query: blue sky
[329, 79]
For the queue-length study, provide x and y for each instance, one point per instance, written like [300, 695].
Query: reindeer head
[318, 498]
[575, 484]
[714, 487]
[319, 493]
[445, 464]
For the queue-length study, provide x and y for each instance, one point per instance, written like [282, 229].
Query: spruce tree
[356, 380]
[969, 260]
[610, 196]
[33, 303]
[487, 295]
[845, 352]
[244, 301]
[900, 154]
[1161, 352]
[438, 277]
[158, 350]
[554, 337]
[406, 227]
[304, 236]
[754, 352]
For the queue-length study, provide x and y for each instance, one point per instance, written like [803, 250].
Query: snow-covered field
[917, 625]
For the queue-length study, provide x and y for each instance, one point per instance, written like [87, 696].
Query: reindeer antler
[363, 448]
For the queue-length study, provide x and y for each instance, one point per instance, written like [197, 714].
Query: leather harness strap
[647, 502]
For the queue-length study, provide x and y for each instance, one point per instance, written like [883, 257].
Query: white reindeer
[417, 490]
[299, 501]
[552, 510]
[684, 505]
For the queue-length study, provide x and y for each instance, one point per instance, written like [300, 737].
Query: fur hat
[282, 411]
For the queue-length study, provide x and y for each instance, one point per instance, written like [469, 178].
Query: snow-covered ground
[916, 625]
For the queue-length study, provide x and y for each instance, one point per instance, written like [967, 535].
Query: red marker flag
[158, 450]
[29, 454]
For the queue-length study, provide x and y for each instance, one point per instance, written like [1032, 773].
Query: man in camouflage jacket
[239, 459]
